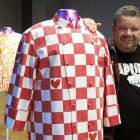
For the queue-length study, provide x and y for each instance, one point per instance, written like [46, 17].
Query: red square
[39, 136]
[81, 93]
[90, 59]
[56, 95]
[110, 90]
[57, 118]
[92, 103]
[45, 84]
[91, 81]
[83, 136]
[32, 51]
[67, 129]
[93, 126]
[40, 42]
[12, 113]
[97, 49]
[19, 125]
[46, 106]
[32, 127]
[36, 26]
[55, 72]
[14, 102]
[73, 30]
[15, 67]
[67, 106]
[28, 72]
[37, 117]
[101, 62]
[11, 89]
[82, 116]
[87, 38]
[114, 120]
[62, 60]
[37, 95]
[23, 59]
[58, 137]
[27, 37]
[70, 59]
[47, 129]
[20, 46]
[49, 30]
[19, 81]
[65, 38]
[79, 48]
[53, 50]
[80, 70]
[44, 63]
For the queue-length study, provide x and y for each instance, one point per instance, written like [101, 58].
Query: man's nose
[128, 32]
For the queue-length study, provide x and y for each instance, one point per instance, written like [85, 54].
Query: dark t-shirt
[129, 95]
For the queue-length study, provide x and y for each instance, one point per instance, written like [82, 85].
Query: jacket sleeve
[111, 108]
[21, 85]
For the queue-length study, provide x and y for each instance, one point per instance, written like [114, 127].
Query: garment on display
[62, 86]
[9, 41]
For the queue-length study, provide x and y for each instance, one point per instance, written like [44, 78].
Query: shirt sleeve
[111, 108]
[21, 85]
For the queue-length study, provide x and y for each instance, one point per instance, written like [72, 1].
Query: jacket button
[90, 84]
[89, 124]
[64, 43]
[60, 27]
[67, 63]
[89, 105]
[91, 63]
[75, 126]
[73, 105]
[70, 84]
[92, 43]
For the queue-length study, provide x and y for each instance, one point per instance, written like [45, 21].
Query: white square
[17, 91]
[45, 72]
[72, 93]
[109, 80]
[67, 117]
[91, 92]
[106, 122]
[97, 103]
[68, 49]
[111, 100]
[21, 70]
[46, 118]
[42, 52]
[13, 78]
[66, 94]
[89, 48]
[57, 106]
[8, 99]
[97, 81]
[63, 71]
[10, 123]
[23, 104]
[51, 39]
[22, 115]
[30, 61]
[70, 70]
[77, 38]
[55, 80]
[84, 30]
[38, 84]
[80, 59]
[38, 128]
[58, 129]
[68, 137]
[92, 115]
[37, 33]
[96, 60]
[27, 83]
[90, 70]
[74, 116]
[81, 104]
[82, 127]
[46, 137]
[64, 30]
[101, 91]
[55, 60]
[38, 106]
[102, 52]
[45, 94]
[81, 82]
[25, 48]
[99, 124]
[112, 111]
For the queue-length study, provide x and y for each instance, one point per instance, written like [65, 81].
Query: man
[125, 54]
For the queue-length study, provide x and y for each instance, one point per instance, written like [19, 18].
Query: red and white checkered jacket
[62, 84]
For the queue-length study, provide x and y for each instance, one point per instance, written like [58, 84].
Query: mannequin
[69, 15]
[7, 30]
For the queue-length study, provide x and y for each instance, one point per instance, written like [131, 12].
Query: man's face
[126, 33]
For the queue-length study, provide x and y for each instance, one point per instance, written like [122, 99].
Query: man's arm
[91, 25]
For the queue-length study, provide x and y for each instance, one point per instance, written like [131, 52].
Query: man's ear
[112, 28]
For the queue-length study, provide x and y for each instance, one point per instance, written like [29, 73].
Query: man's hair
[132, 11]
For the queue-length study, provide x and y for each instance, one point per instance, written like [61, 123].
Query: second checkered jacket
[62, 86]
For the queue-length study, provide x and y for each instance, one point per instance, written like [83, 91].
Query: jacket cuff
[15, 119]
[111, 116]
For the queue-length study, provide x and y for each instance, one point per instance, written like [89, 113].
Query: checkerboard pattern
[62, 87]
